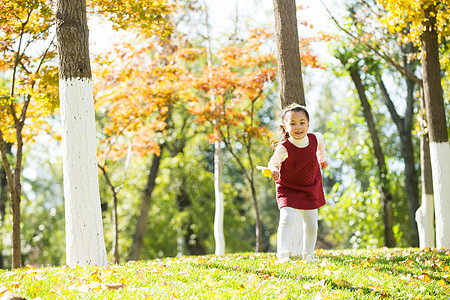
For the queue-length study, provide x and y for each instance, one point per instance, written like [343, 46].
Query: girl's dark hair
[294, 108]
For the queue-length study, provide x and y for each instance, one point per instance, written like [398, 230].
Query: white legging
[286, 230]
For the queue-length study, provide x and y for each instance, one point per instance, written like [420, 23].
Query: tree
[31, 91]
[4, 199]
[136, 95]
[218, 184]
[429, 23]
[400, 55]
[230, 92]
[288, 53]
[115, 189]
[386, 196]
[85, 243]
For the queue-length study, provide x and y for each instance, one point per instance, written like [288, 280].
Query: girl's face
[296, 124]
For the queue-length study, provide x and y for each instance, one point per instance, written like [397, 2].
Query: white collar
[303, 142]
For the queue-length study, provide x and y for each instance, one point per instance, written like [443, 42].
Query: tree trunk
[411, 185]
[425, 213]
[219, 236]
[289, 63]
[115, 247]
[404, 127]
[14, 185]
[3, 200]
[258, 218]
[85, 244]
[437, 127]
[139, 233]
[411, 174]
[386, 197]
[192, 244]
[4, 186]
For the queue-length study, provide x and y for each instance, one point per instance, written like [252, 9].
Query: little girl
[295, 167]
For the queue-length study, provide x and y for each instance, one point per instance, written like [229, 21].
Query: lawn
[344, 274]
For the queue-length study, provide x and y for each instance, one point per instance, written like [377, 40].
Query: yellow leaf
[342, 283]
[425, 278]
[59, 286]
[253, 280]
[265, 171]
[282, 295]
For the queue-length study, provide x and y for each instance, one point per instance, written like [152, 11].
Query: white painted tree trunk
[425, 222]
[219, 211]
[85, 244]
[440, 164]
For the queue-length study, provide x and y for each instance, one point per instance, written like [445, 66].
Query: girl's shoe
[311, 258]
[283, 257]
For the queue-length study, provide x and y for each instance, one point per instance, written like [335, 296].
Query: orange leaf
[114, 286]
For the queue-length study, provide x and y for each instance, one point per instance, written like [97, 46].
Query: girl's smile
[296, 124]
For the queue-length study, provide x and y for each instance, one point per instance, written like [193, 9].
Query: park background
[181, 206]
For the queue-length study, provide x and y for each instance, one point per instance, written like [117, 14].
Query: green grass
[358, 274]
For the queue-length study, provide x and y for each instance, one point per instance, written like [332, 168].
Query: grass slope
[355, 274]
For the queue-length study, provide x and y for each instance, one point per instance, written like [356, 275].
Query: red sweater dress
[300, 184]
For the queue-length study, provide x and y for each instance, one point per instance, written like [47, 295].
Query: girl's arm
[321, 151]
[275, 161]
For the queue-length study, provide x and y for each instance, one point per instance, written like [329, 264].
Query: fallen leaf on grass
[343, 283]
[442, 282]
[282, 295]
[253, 280]
[424, 277]
[379, 290]
[320, 296]
[308, 286]
[96, 286]
[114, 286]
[59, 286]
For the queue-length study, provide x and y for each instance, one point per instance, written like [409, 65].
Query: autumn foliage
[402, 14]
[32, 89]
[137, 85]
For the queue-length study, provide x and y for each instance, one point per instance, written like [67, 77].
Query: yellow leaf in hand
[265, 171]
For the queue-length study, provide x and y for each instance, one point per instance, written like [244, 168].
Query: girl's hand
[322, 165]
[275, 175]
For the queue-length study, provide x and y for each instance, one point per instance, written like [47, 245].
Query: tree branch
[390, 105]
[399, 68]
